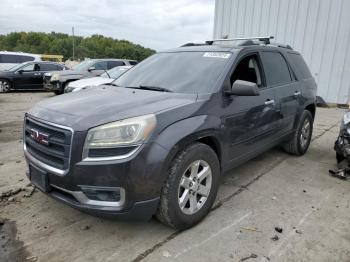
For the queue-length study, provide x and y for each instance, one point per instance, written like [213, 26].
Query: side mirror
[91, 68]
[243, 88]
[20, 71]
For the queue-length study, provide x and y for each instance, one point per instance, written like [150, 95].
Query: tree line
[95, 46]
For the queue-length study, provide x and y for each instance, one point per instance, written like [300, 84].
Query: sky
[157, 24]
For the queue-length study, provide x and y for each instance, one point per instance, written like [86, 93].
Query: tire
[5, 85]
[197, 205]
[300, 142]
[60, 90]
[339, 157]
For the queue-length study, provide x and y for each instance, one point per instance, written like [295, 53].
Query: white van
[10, 59]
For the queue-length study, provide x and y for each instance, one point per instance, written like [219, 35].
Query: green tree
[95, 46]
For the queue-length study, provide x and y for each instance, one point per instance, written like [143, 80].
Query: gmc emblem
[39, 137]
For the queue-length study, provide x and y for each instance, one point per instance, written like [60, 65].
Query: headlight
[120, 134]
[345, 123]
[54, 77]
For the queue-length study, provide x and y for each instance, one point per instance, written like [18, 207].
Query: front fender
[180, 134]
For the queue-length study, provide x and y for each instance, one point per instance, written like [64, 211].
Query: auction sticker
[217, 55]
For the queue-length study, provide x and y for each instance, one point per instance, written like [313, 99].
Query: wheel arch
[312, 109]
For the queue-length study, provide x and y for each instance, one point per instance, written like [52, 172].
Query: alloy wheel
[4, 86]
[195, 186]
[305, 133]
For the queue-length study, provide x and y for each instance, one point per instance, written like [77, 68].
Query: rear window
[276, 68]
[133, 62]
[299, 66]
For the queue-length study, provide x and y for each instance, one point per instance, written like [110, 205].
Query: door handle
[269, 102]
[297, 93]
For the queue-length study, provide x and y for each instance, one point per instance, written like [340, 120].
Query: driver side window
[248, 69]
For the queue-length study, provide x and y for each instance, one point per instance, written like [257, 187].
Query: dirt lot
[275, 189]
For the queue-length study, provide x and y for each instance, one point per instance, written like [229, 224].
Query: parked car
[158, 141]
[28, 75]
[10, 59]
[105, 78]
[342, 149]
[57, 81]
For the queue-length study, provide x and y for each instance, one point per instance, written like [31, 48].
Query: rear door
[250, 121]
[280, 78]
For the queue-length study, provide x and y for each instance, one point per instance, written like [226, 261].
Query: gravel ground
[295, 194]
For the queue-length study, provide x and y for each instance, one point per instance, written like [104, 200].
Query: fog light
[110, 194]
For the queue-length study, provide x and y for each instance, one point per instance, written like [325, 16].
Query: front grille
[55, 150]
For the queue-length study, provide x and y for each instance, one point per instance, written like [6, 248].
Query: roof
[18, 53]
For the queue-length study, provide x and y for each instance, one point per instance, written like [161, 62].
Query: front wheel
[191, 187]
[300, 142]
[4, 86]
[60, 88]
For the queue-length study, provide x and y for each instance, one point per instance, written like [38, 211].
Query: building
[319, 29]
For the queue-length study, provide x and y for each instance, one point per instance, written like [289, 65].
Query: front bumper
[52, 86]
[138, 177]
[342, 146]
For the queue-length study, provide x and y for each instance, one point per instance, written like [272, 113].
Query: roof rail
[282, 45]
[193, 44]
[265, 39]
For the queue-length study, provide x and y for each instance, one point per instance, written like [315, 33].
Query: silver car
[105, 78]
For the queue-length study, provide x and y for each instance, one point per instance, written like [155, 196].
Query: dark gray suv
[156, 140]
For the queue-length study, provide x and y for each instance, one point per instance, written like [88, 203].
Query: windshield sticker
[217, 55]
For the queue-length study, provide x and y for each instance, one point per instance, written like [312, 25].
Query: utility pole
[73, 41]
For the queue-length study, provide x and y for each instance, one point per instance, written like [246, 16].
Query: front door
[28, 77]
[250, 121]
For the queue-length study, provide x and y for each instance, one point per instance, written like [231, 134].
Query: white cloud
[157, 24]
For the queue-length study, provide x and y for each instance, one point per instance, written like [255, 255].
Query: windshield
[16, 67]
[182, 72]
[115, 72]
[83, 66]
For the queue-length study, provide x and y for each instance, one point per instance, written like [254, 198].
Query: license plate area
[39, 178]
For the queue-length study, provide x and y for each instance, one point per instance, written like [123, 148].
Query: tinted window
[182, 72]
[25, 58]
[100, 65]
[133, 62]
[299, 66]
[276, 68]
[49, 67]
[112, 64]
[10, 59]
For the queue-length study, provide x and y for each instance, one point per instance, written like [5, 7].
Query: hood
[93, 81]
[96, 106]
[69, 73]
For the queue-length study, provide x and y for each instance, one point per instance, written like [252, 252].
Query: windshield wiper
[111, 84]
[154, 88]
